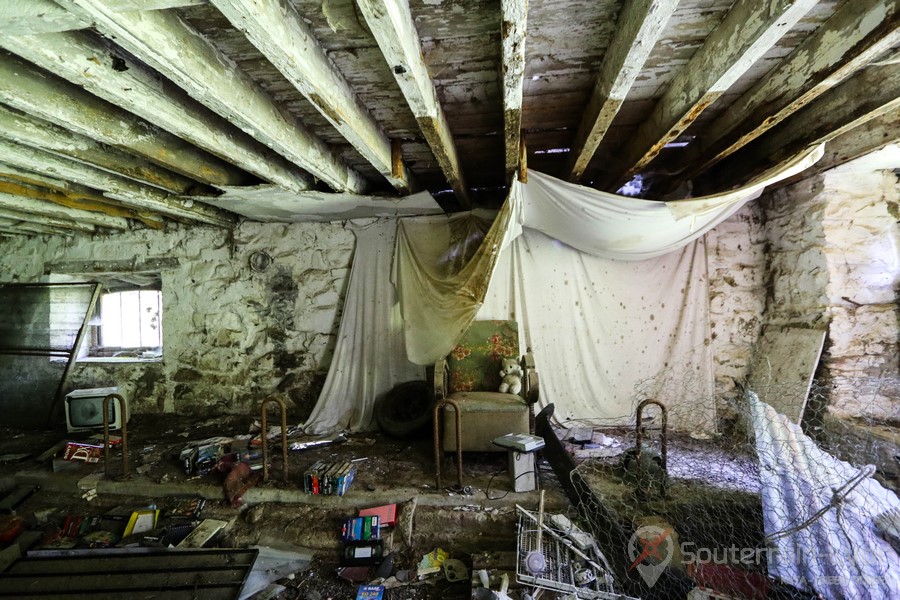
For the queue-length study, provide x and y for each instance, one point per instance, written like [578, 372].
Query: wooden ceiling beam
[638, 28]
[858, 33]
[177, 51]
[19, 183]
[278, 31]
[52, 210]
[391, 23]
[13, 227]
[21, 215]
[514, 24]
[28, 89]
[37, 133]
[746, 33]
[119, 188]
[46, 16]
[107, 72]
[839, 112]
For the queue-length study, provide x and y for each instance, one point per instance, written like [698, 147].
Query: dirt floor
[474, 520]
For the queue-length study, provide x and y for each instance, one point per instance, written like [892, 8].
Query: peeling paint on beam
[180, 53]
[36, 16]
[858, 33]
[747, 32]
[82, 59]
[75, 199]
[32, 91]
[30, 131]
[13, 227]
[113, 186]
[279, 33]
[637, 31]
[392, 26]
[50, 209]
[514, 14]
[22, 215]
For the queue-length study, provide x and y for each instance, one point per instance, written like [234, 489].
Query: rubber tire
[405, 411]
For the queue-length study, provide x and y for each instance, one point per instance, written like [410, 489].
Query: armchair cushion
[484, 416]
[475, 361]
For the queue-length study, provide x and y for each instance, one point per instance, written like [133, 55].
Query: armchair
[470, 377]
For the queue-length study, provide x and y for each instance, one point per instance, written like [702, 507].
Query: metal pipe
[265, 438]
[124, 414]
[439, 445]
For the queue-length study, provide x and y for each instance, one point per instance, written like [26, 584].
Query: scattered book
[387, 514]
[370, 592]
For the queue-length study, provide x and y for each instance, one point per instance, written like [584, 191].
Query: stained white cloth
[369, 356]
[604, 330]
[840, 555]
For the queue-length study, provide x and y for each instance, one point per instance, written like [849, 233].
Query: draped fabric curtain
[369, 356]
[441, 283]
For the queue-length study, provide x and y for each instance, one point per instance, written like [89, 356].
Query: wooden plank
[32, 91]
[178, 52]
[638, 29]
[37, 133]
[205, 531]
[512, 43]
[100, 68]
[50, 583]
[25, 228]
[839, 112]
[36, 16]
[856, 34]
[392, 26]
[783, 367]
[129, 193]
[49, 221]
[48, 209]
[746, 33]
[279, 33]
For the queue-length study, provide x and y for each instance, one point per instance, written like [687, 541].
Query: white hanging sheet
[839, 555]
[369, 358]
[603, 332]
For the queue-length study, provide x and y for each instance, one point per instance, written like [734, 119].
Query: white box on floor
[521, 471]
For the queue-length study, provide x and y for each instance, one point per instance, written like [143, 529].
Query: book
[141, 521]
[370, 592]
[387, 514]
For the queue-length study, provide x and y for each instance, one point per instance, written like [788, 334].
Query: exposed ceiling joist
[279, 33]
[514, 25]
[84, 60]
[392, 25]
[855, 35]
[24, 87]
[56, 211]
[72, 196]
[37, 133]
[840, 111]
[177, 51]
[746, 33]
[122, 189]
[46, 16]
[29, 217]
[639, 26]
[13, 227]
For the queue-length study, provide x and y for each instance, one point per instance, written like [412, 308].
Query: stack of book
[329, 478]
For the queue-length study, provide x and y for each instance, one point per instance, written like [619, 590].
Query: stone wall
[231, 335]
[834, 252]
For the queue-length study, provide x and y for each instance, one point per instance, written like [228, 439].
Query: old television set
[84, 409]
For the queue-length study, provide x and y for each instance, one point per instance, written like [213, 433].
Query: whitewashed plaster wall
[232, 336]
[834, 250]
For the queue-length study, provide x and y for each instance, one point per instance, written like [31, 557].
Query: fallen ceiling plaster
[272, 204]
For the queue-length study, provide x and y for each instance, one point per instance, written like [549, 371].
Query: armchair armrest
[441, 379]
[531, 385]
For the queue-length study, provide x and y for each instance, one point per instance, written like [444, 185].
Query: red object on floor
[239, 479]
[730, 580]
[387, 514]
[10, 527]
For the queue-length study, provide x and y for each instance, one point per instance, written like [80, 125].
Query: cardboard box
[78, 451]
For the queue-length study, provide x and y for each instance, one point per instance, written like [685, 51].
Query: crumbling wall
[231, 335]
[834, 262]
[737, 279]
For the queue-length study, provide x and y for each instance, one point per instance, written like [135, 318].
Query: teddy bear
[512, 376]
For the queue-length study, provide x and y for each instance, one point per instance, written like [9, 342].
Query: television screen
[84, 409]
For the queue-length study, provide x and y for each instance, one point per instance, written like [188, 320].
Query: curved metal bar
[124, 414]
[639, 431]
[439, 445]
[265, 438]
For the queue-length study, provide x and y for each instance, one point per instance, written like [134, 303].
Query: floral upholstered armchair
[470, 377]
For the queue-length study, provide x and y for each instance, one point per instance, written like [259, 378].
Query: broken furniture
[264, 438]
[470, 377]
[644, 468]
[106, 441]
